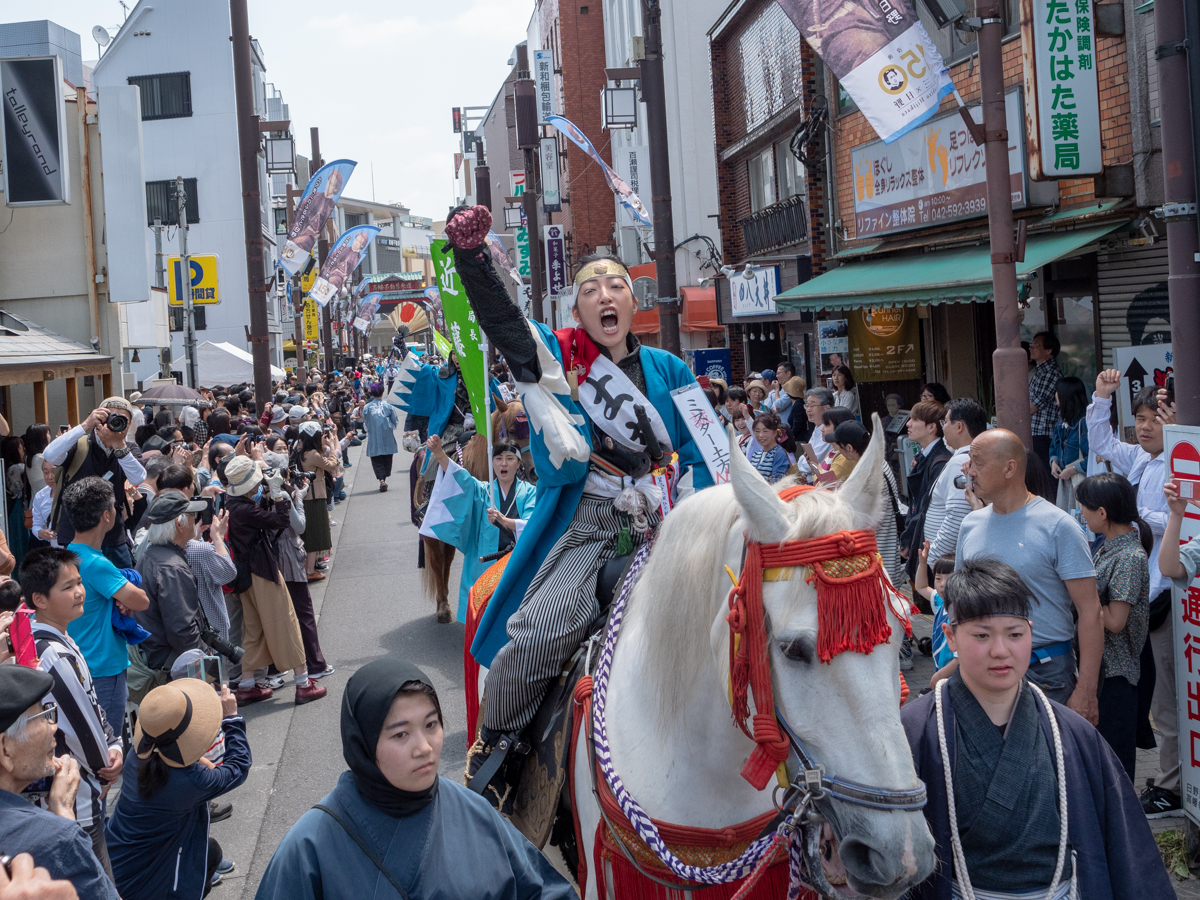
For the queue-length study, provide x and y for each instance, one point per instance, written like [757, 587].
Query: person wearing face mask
[480, 522]
[392, 821]
[603, 428]
[97, 447]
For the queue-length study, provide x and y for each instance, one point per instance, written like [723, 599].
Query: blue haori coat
[380, 419]
[456, 848]
[1107, 829]
[457, 515]
[423, 392]
[560, 484]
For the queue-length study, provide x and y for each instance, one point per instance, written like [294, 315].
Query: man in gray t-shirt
[1046, 546]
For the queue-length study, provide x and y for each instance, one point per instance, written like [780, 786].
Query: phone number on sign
[974, 207]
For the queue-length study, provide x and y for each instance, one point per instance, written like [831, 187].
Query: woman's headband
[598, 268]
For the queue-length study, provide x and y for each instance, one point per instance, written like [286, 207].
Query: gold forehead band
[596, 269]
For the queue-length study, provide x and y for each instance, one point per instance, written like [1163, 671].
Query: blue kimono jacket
[560, 487]
[457, 515]
[456, 848]
[423, 392]
[1107, 829]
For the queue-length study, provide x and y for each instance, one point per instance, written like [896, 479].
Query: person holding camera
[259, 511]
[316, 451]
[97, 447]
[172, 618]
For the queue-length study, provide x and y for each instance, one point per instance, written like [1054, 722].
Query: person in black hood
[392, 819]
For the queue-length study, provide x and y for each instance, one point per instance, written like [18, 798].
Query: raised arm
[499, 316]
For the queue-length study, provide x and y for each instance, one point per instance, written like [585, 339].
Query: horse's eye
[801, 649]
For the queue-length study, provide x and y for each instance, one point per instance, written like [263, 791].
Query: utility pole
[1009, 362]
[529, 141]
[654, 93]
[1173, 19]
[297, 295]
[184, 281]
[314, 139]
[248, 143]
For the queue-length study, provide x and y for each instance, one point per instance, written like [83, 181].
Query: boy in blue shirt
[91, 506]
[942, 654]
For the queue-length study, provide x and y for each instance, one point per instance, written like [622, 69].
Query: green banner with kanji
[465, 333]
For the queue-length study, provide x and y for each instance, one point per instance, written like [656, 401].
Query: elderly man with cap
[279, 419]
[158, 834]
[97, 447]
[173, 617]
[138, 418]
[27, 742]
[259, 509]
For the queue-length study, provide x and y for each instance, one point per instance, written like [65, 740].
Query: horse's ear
[761, 506]
[865, 490]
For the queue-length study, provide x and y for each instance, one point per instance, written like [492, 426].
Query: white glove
[275, 484]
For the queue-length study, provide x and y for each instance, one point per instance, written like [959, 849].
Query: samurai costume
[436, 394]
[371, 838]
[1005, 787]
[457, 515]
[591, 506]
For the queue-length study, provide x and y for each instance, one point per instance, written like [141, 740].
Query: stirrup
[505, 744]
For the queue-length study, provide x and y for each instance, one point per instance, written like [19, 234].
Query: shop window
[791, 173]
[161, 202]
[1074, 323]
[762, 179]
[281, 221]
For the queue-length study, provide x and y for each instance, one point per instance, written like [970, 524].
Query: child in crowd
[770, 459]
[942, 654]
[54, 587]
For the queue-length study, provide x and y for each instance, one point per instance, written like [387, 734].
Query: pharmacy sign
[1062, 96]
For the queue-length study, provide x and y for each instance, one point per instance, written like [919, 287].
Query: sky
[422, 57]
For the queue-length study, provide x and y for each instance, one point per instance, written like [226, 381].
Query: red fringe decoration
[477, 601]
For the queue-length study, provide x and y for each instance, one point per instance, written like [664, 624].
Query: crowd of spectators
[162, 559]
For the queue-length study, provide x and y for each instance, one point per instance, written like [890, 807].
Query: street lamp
[512, 216]
[620, 107]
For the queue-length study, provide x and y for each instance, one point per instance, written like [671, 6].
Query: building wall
[577, 39]
[193, 36]
[852, 130]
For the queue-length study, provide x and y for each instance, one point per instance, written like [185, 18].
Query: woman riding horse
[601, 419]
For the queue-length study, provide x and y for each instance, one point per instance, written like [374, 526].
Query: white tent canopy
[222, 363]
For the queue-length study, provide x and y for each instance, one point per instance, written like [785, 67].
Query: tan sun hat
[758, 383]
[179, 721]
[117, 403]
[794, 387]
[243, 475]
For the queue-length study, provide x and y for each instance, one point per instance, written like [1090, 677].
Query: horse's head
[846, 711]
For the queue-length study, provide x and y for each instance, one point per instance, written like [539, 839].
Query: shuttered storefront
[1133, 298]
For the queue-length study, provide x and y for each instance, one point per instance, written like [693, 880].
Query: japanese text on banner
[465, 333]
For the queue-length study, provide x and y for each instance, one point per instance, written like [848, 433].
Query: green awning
[947, 276]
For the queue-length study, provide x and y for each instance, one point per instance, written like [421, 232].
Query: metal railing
[776, 226]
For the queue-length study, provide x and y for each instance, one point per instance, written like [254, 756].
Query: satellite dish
[101, 36]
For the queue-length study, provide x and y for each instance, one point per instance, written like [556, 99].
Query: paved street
[371, 605]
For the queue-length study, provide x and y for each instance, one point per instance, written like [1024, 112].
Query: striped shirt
[947, 507]
[83, 730]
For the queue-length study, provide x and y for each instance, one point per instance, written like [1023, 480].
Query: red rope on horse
[851, 616]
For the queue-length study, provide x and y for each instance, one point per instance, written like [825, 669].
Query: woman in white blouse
[845, 393]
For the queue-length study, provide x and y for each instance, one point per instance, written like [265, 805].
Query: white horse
[672, 739]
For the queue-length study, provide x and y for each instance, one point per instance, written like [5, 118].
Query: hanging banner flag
[503, 260]
[618, 184]
[881, 54]
[465, 333]
[556, 258]
[366, 312]
[443, 345]
[343, 259]
[313, 211]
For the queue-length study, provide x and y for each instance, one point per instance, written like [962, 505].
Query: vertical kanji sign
[1062, 96]
[465, 334]
[556, 258]
[1182, 449]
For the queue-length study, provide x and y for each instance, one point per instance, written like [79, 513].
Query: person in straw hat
[158, 837]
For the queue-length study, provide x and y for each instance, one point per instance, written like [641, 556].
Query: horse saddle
[543, 777]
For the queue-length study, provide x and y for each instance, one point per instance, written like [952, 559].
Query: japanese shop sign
[1181, 443]
[465, 334]
[543, 80]
[933, 175]
[516, 182]
[551, 190]
[206, 288]
[556, 259]
[1061, 92]
[754, 296]
[881, 54]
[522, 241]
[885, 344]
[311, 328]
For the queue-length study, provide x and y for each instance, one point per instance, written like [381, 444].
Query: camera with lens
[299, 478]
[230, 651]
[117, 421]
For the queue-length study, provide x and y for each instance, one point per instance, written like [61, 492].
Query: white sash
[608, 397]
